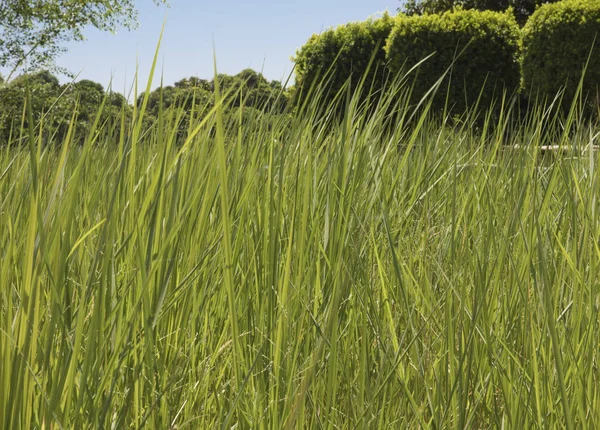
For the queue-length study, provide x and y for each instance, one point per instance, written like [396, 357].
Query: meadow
[370, 264]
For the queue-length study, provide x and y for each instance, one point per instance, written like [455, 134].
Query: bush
[489, 64]
[558, 40]
[347, 50]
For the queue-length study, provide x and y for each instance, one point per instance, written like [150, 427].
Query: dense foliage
[55, 105]
[346, 52]
[558, 41]
[522, 9]
[189, 99]
[246, 89]
[483, 49]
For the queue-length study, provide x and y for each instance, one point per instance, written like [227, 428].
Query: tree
[89, 95]
[521, 8]
[251, 89]
[193, 82]
[248, 88]
[43, 89]
[34, 32]
[56, 104]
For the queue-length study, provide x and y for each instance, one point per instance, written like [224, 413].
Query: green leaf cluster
[480, 51]
[559, 40]
[33, 33]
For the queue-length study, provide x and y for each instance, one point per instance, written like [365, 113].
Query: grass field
[380, 271]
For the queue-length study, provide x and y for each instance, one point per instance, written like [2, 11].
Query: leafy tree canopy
[247, 93]
[248, 88]
[56, 103]
[521, 8]
[33, 32]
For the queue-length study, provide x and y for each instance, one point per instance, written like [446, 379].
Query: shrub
[488, 65]
[557, 42]
[347, 50]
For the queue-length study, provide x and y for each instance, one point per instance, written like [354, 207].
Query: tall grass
[363, 266]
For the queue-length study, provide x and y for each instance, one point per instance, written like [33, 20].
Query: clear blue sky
[261, 34]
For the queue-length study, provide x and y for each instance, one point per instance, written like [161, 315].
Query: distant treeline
[78, 104]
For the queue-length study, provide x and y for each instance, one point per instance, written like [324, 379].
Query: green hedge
[347, 50]
[558, 40]
[489, 62]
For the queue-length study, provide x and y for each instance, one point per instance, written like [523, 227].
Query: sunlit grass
[357, 267]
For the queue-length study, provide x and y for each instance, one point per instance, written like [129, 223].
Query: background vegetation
[248, 90]
[468, 57]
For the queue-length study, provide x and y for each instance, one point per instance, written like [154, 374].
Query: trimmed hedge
[558, 40]
[489, 64]
[347, 50]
